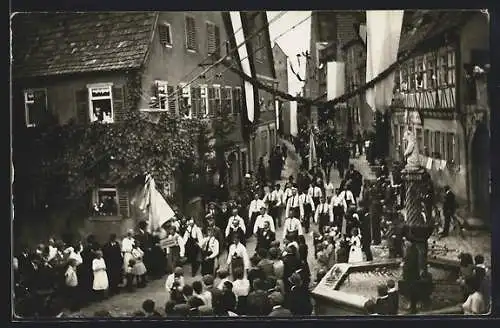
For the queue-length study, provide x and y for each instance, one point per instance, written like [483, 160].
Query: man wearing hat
[210, 252]
[294, 204]
[275, 201]
[212, 211]
[298, 300]
[145, 239]
[192, 241]
[222, 216]
[235, 227]
[253, 212]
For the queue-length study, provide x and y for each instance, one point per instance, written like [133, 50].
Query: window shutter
[171, 99]
[217, 40]
[210, 38]
[82, 106]
[118, 104]
[154, 103]
[123, 202]
[190, 33]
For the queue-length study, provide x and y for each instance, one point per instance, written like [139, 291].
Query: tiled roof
[63, 43]
[436, 23]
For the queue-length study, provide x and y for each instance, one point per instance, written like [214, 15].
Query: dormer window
[165, 34]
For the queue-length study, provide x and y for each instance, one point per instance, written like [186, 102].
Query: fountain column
[417, 282]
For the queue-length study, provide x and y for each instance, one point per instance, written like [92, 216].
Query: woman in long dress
[355, 252]
[101, 283]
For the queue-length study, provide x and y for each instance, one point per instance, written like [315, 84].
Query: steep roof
[424, 25]
[46, 44]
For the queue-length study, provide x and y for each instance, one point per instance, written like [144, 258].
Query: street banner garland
[383, 34]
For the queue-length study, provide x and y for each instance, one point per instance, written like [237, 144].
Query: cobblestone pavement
[126, 303]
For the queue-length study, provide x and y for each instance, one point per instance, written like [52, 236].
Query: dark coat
[264, 241]
[449, 203]
[258, 303]
[298, 301]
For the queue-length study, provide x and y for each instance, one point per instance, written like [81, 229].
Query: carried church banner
[335, 83]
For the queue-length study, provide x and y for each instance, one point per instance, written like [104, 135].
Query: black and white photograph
[284, 164]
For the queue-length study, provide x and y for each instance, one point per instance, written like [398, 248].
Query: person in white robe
[253, 211]
[355, 251]
[100, 283]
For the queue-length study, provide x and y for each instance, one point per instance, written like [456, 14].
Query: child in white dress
[101, 283]
[355, 252]
[139, 269]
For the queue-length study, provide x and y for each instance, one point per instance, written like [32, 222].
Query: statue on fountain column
[411, 151]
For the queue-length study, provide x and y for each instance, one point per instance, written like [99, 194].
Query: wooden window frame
[95, 198]
[217, 97]
[91, 87]
[28, 102]
[157, 85]
[167, 44]
[442, 69]
[430, 71]
[450, 68]
[204, 98]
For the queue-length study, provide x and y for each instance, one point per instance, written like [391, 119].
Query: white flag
[277, 113]
[159, 210]
[383, 29]
[293, 119]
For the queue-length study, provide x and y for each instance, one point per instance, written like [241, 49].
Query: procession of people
[345, 218]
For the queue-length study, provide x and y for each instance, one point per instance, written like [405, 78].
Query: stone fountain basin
[347, 287]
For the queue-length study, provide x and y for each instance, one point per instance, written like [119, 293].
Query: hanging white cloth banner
[335, 80]
[277, 113]
[293, 119]
[239, 37]
[383, 28]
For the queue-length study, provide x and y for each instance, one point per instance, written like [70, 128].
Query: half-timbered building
[433, 98]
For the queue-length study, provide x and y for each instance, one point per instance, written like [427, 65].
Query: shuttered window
[191, 38]
[227, 100]
[184, 92]
[196, 106]
[171, 99]
[237, 101]
[211, 101]
[426, 142]
[123, 201]
[204, 100]
[159, 96]
[119, 109]
[213, 39]
[35, 104]
[82, 105]
[165, 34]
